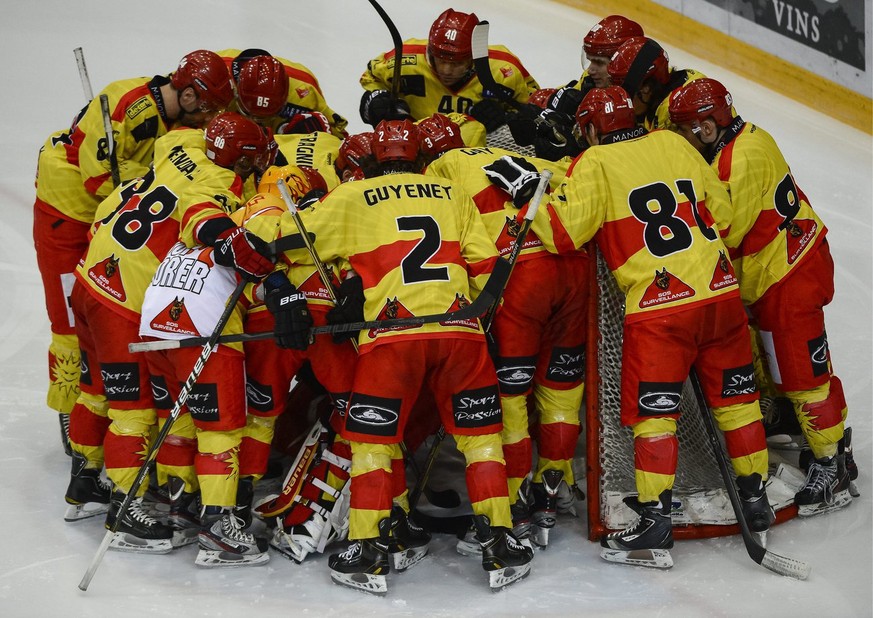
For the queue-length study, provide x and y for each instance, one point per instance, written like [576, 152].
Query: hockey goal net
[701, 507]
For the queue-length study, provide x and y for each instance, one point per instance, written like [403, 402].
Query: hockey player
[653, 222]
[355, 159]
[73, 177]
[539, 335]
[642, 68]
[405, 234]
[186, 196]
[293, 103]
[780, 251]
[438, 76]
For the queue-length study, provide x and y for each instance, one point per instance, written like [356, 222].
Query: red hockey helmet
[262, 86]
[354, 149]
[637, 59]
[232, 138]
[395, 140]
[541, 97]
[207, 74]
[451, 36]
[608, 109]
[701, 99]
[438, 134]
[608, 34]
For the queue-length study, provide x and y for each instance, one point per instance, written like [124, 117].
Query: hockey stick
[152, 453]
[532, 209]
[110, 140]
[493, 290]
[310, 245]
[398, 49]
[782, 565]
[424, 475]
[83, 74]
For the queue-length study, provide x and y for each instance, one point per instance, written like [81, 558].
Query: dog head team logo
[665, 288]
[391, 310]
[107, 276]
[174, 318]
[508, 235]
[798, 235]
[459, 303]
[723, 275]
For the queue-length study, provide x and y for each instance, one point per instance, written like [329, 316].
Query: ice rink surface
[44, 558]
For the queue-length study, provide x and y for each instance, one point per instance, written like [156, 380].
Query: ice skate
[521, 511]
[757, 512]
[87, 494]
[364, 565]
[223, 542]
[826, 487]
[545, 508]
[65, 435]
[647, 542]
[468, 545]
[408, 542]
[504, 557]
[844, 446]
[137, 531]
[184, 517]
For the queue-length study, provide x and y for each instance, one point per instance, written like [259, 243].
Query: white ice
[44, 558]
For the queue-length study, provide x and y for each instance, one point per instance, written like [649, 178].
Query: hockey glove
[245, 252]
[305, 123]
[514, 175]
[521, 124]
[377, 105]
[310, 197]
[288, 308]
[349, 307]
[566, 101]
[490, 113]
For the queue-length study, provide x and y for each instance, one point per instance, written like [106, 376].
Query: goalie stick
[398, 49]
[493, 290]
[152, 453]
[782, 565]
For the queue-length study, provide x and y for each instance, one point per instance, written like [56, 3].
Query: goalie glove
[288, 307]
[514, 175]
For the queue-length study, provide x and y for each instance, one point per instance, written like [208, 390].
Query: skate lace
[353, 550]
[136, 512]
[818, 480]
[232, 528]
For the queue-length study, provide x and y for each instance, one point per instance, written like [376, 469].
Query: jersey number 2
[412, 267]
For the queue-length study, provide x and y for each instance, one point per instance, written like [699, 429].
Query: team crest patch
[507, 72]
[459, 303]
[392, 310]
[506, 240]
[665, 288]
[302, 92]
[723, 276]
[107, 277]
[798, 235]
[174, 318]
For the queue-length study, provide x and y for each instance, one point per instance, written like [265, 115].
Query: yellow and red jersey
[501, 218]
[138, 224]
[426, 95]
[417, 242]
[317, 150]
[74, 174]
[650, 203]
[304, 94]
[773, 226]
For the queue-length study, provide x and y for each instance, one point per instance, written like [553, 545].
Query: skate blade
[652, 558]
[501, 578]
[122, 541]
[185, 536]
[402, 560]
[212, 558]
[853, 490]
[469, 548]
[540, 536]
[844, 498]
[76, 512]
[365, 582]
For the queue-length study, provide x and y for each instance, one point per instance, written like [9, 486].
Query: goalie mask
[300, 180]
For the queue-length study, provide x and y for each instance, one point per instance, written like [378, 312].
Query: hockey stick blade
[789, 567]
[493, 289]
